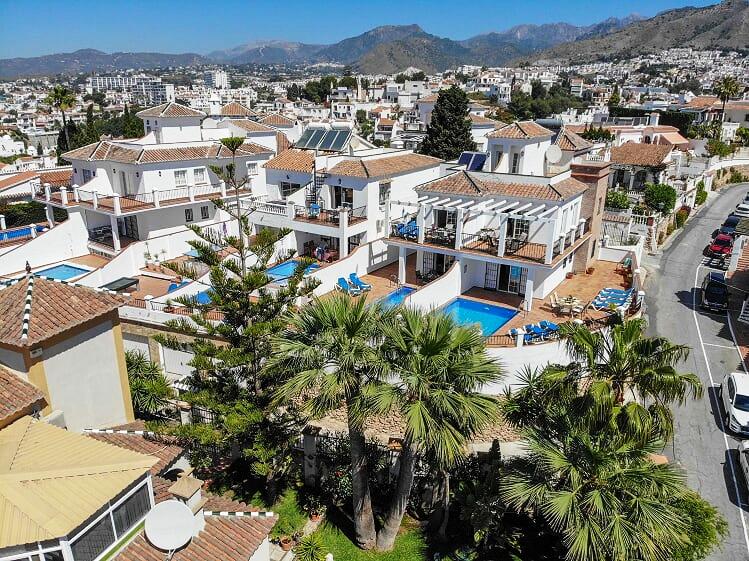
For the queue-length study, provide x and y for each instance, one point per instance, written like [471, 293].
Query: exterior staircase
[744, 315]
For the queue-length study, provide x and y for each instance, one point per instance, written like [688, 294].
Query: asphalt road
[701, 445]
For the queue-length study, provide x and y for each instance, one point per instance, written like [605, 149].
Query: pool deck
[584, 287]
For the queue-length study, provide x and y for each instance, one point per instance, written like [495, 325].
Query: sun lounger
[534, 331]
[358, 283]
[344, 286]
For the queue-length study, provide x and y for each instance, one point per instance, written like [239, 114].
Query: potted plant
[314, 506]
[570, 275]
[590, 270]
[285, 542]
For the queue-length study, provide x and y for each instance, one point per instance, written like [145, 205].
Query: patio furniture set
[536, 333]
[354, 286]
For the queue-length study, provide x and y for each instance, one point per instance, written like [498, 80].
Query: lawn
[291, 518]
[410, 544]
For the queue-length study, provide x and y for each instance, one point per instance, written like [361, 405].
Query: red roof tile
[17, 397]
[636, 154]
[478, 185]
[292, 160]
[521, 129]
[384, 166]
[55, 308]
[170, 109]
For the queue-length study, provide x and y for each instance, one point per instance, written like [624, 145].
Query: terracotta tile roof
[251, 126]
[703, 102]
[229, 538]
[165, 449]
[616, 217]
[521, 129]
[111, 151]
[386, 122]
[571, 142]
[432, 98]
[54, 308]
[485, 121]
[636, 154]
[383, 167]
[481, 184]
[249, 148]
[17, 179]
[672, 139]
[276, 120]
[236, 109]
[17, 397]
[170, 109]
[57, 178]
[292, 160]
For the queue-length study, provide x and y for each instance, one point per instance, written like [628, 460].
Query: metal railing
[440, 236]
[485, 242]
[357, 214]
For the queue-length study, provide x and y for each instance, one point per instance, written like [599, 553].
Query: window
[86, 175]
[515, 162]
[288, 188]
[251, 168]
[384, 192]
[188, 215]
[204, 212]
[198, 175]
[93, 543]
[180, 177]
[131, 511]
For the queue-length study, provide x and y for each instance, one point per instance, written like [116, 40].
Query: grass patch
[410, 545]
[291, 518]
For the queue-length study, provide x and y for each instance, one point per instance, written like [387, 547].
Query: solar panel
[304, 139]
[477, 162]
[465, 158]
[340, 141]
[317, 136]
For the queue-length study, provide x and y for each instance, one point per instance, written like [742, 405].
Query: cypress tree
[449, 132]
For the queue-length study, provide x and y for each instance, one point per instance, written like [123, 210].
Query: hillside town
[276, 311]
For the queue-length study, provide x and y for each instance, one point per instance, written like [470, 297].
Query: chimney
[187, 489]
[596, 176]
[655, 117]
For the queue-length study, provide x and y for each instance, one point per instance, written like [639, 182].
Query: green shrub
[23, 214]
[681, 217]
[718, 148]
[660, 196]
[700, 197]
[310, 548]
[737, 177]
[617, 200]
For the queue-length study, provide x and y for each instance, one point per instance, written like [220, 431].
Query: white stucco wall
[83, 379]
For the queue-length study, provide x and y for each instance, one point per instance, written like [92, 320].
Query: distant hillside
[89, 60]
[421, 50]
[267, 52]
[351, 50]
[721, 26]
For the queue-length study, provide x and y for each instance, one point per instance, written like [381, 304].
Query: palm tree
[726, 88]
[629, 361]
[62, 99]
[436, 371]
[149, 388]
[328, 348]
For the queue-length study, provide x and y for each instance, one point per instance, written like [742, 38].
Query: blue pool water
[281, 272]
[490, 318]
[396, 297]
[61, 272]
[203, 298]
[6, 235]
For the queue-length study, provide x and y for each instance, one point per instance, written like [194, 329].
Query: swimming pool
[202, 297]
[280, 273]
[489, 317]
[6, 235]
[396, 297]
[61, 272]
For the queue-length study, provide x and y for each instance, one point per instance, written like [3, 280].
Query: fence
[177, 309]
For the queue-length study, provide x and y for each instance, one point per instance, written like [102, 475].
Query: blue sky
[38, 27]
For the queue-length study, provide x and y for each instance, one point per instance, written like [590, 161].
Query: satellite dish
[553, 154]
[169, 525]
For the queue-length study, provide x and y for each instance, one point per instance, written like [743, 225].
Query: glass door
[491, 276]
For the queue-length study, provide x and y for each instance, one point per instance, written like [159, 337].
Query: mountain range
[393, 48]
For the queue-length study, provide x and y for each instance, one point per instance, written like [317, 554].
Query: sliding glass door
[505, 278]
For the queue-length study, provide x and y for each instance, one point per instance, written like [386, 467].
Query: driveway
[702, 446]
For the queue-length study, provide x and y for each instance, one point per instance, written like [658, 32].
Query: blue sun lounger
[358, 283]
[344, 286]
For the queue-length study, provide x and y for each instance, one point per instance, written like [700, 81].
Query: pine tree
[449, 132]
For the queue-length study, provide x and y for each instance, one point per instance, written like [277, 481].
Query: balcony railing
[357, 214]
[177, 309]
[520, 248]
[485, 241]
[116, 203]
[444, 237]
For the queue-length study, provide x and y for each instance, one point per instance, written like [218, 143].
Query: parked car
[729, 226]
[721, 246]
[714, 294]
[742, 210]
[734, 393]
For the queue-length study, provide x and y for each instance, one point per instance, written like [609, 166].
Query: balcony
[444, 237]
[123, 204]
[484, 241]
